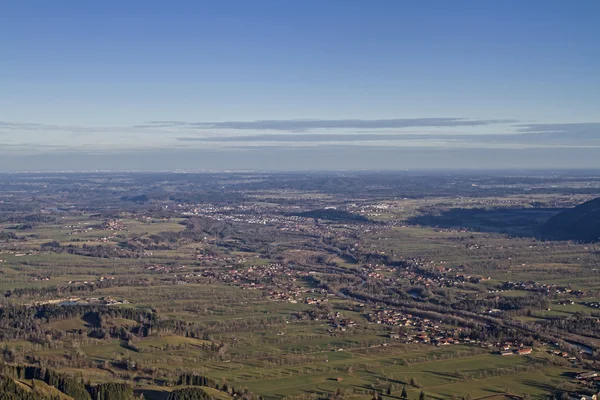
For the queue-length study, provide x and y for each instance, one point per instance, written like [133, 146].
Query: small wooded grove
[189, 394]
[69, 385]
[75, 387]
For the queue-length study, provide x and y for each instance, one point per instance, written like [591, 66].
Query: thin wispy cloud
[583, 130]
[572, 134]
[20, 127]
[461, 132]
[300, 125]
[308, 137]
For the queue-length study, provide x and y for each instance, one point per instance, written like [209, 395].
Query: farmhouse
[583, 397]
[582, 376]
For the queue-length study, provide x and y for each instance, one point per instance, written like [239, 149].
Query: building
[577, 396]
[582, 376]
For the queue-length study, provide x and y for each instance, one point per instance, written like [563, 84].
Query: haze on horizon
[304, 85]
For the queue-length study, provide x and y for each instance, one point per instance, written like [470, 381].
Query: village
[544, 288]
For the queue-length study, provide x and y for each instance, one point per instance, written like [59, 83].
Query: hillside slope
[581, 223]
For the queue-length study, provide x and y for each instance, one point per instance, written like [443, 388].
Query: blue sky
[231, 81]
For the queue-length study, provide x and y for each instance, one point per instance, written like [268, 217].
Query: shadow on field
[91, 320]
[539, 385]
[447, 375]
[494, 391]
[511, 221]
[153, 394]
[570, 375]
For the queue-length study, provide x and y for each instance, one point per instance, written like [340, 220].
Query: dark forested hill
[581, 223]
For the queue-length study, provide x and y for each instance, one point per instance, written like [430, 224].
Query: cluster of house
[565, 302]
[375, 275]
[563, 354]
[224, 258]
[277, 215]
[392, 318]
[376, 209]
[164, 269]
[376, 271]
[101, 279]
[274, 270]
[37, 278]
[246, 278]
[253, 274]
[437, 337]
[250, 214]
[296, 294]
[438, 276]
[420, 275]
[533, 286]
[589, 379]
[315, 300]
[343, 324]
[81, 227]
[219, 257]
[421, 330]
[581, 396]
[339, 323]
[587, 375]
[288, 296]
[229, 276]
[80, 283]
[515, 348]
[114, 225]
[104, 239]
[424, 330]
[280, 279]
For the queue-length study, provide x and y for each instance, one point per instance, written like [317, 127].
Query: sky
[299, 84]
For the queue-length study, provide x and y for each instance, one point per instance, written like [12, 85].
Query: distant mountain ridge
[581, 223]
